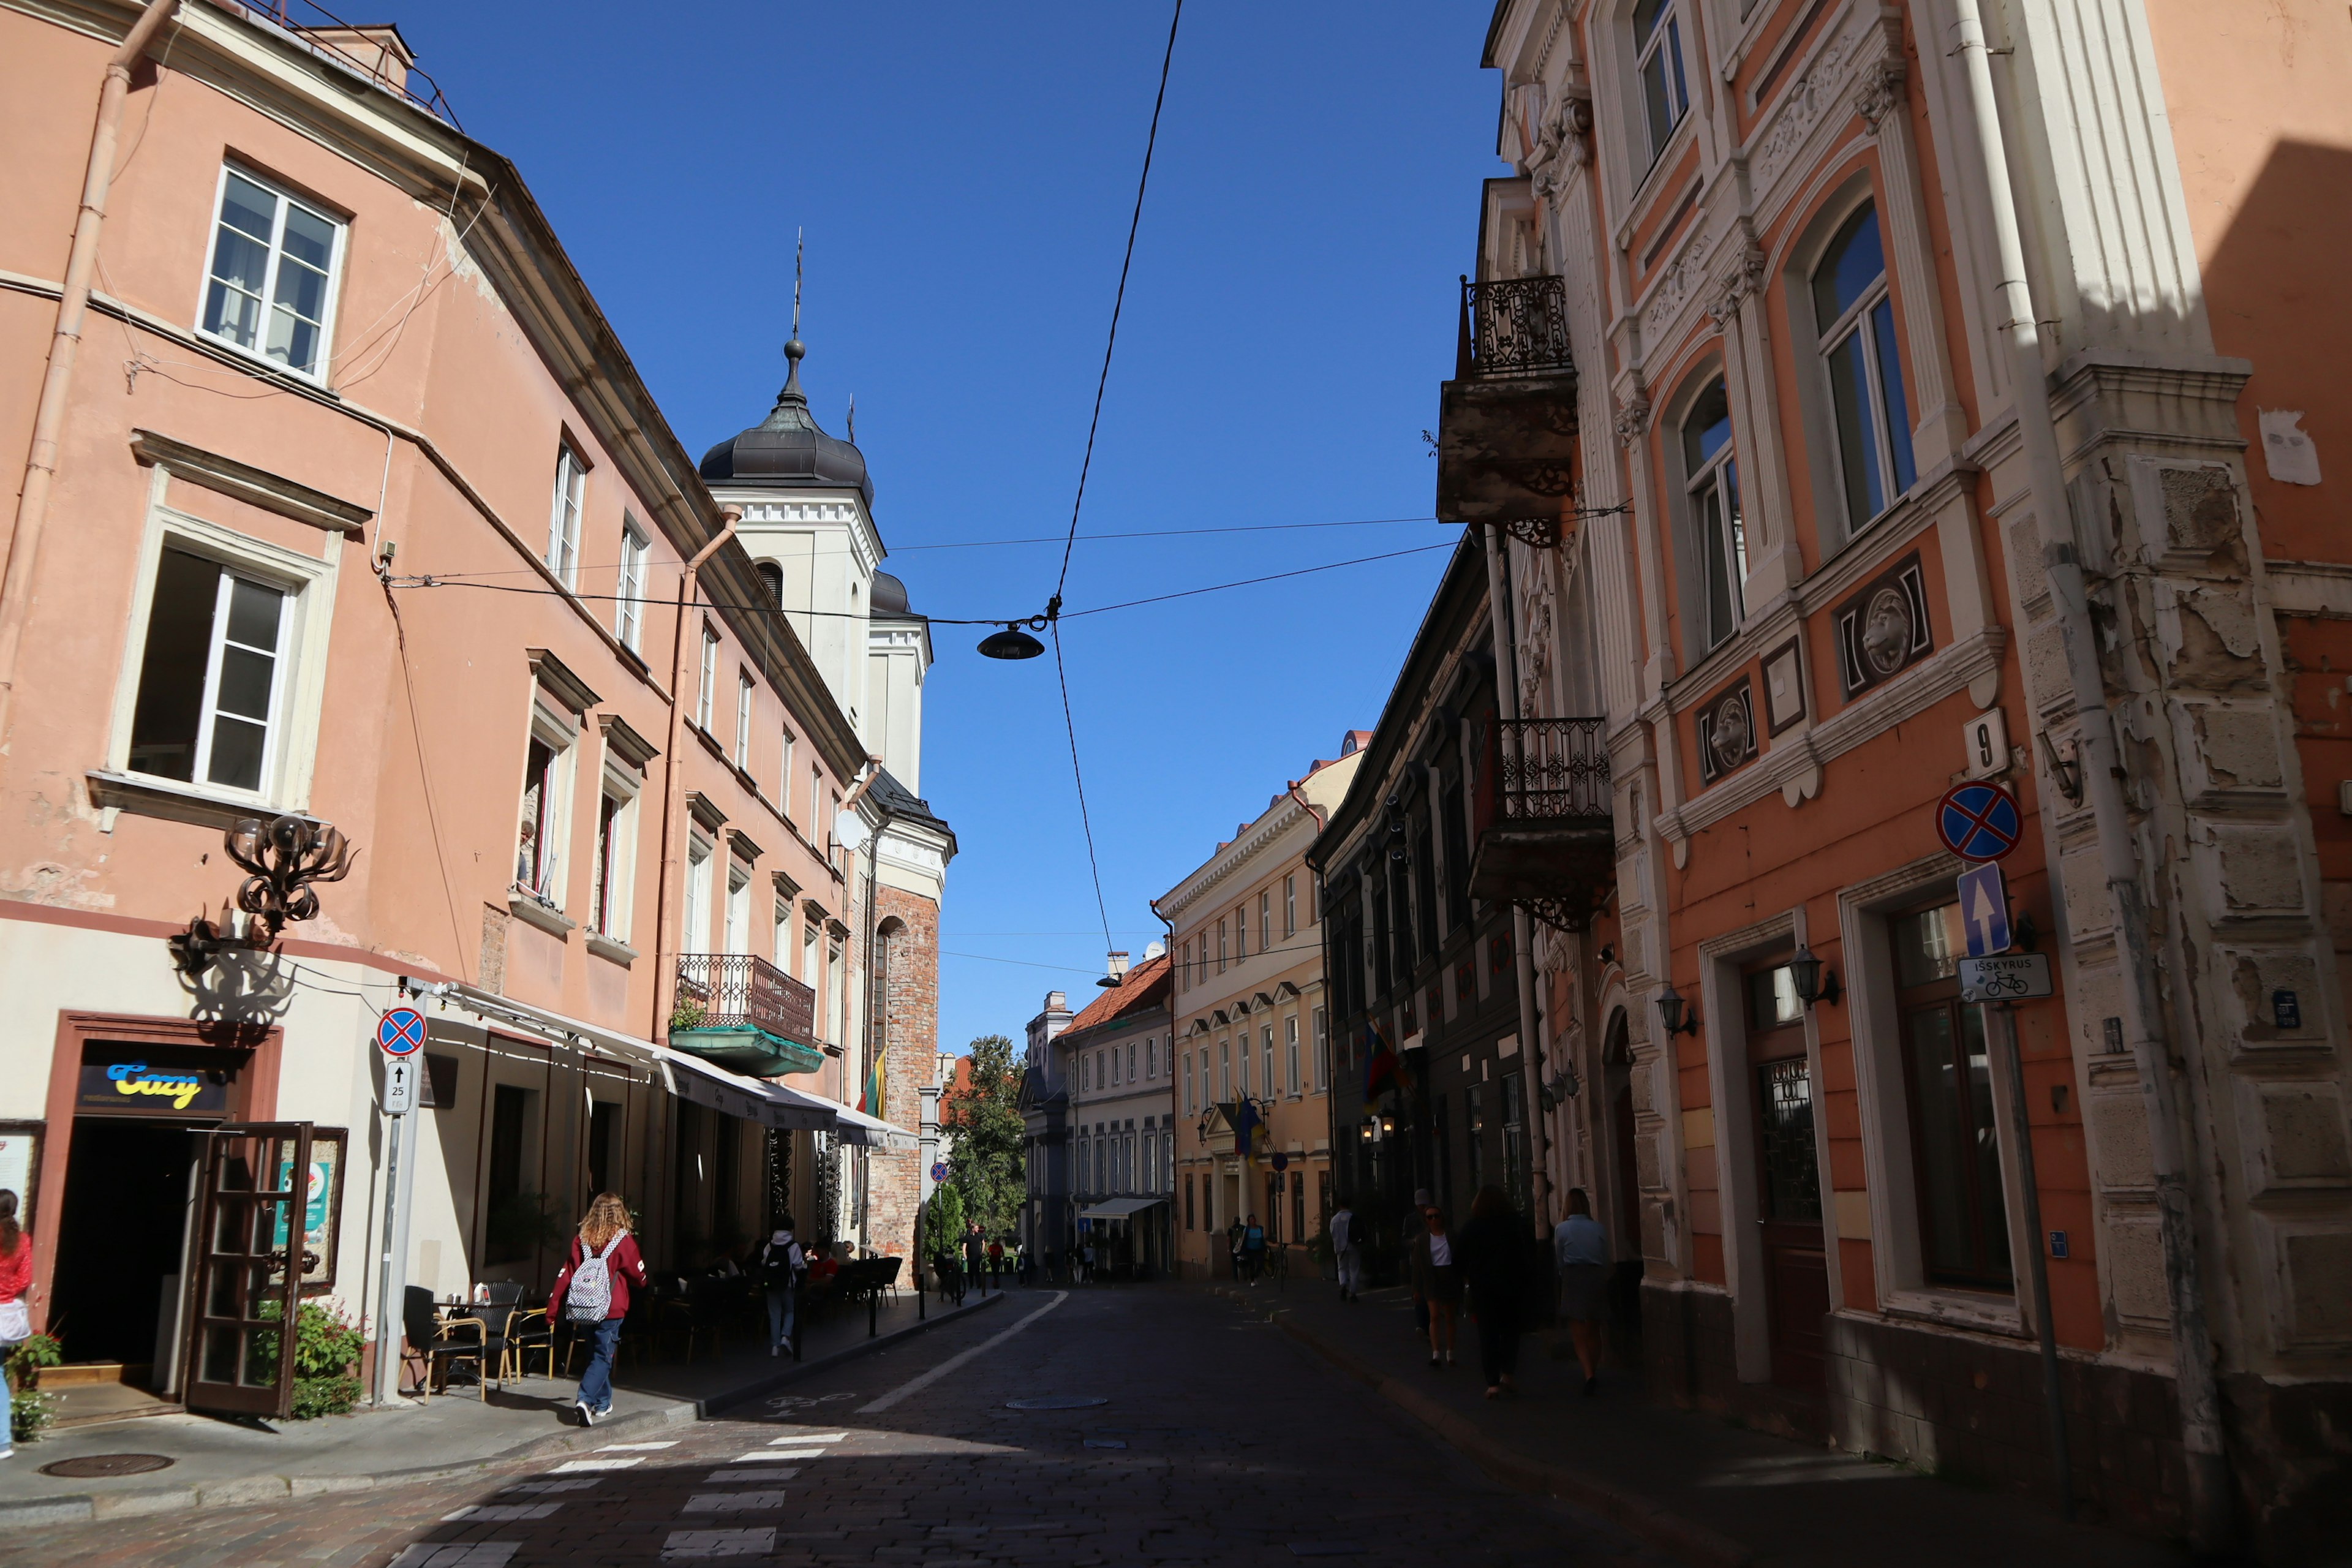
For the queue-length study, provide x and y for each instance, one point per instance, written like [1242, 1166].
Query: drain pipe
[2102, 776]
[24, 545]
[674, 787]
[1507, 684]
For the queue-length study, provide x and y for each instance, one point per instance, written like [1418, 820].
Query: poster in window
[20, 1164]
[323, 1206]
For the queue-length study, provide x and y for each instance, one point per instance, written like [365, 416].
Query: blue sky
[964, 175]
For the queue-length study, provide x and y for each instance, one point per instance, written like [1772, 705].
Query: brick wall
[911, 1019]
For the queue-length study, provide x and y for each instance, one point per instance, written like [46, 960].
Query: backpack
[779, 1266]
[590, 1296]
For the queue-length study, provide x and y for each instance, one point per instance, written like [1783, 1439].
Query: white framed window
[269, 287]
[1220, 947]
[1264, 919]
[1658, 62]
[1290, 1053]
[1265, 1061]
[1322, 1053]
[1151, 1058]
[743, 721]
[809, 941]
[1711, 470]
[738, 934]
[783, 919]
[629, 619]
[708, 693]
[1290, 905]
[1871, 414]
[1241, 932]
[564, 516]
[1191, 1106]
[616, 853]
[1225, 1068]
[546, 809]
[212, 676]
[784, 779]
[697, 894]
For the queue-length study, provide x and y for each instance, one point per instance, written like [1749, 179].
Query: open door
[243, 1302]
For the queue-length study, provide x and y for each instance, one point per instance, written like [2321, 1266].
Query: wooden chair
[528, 1329]
[435, 1342]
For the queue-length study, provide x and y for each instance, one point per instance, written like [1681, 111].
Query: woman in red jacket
[592, 1294]
[16, 1287]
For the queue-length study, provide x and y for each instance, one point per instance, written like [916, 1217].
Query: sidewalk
[1706, 1490]
[219, 1463]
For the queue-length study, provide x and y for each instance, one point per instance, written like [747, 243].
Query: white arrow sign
[399, 1075]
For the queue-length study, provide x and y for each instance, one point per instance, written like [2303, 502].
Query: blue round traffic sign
[1978, 821]
[938, 1170]
[401, 1032]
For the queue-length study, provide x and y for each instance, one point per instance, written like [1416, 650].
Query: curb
[243, 1492]
[1659, 1526]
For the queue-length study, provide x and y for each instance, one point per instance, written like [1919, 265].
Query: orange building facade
[1741, 391]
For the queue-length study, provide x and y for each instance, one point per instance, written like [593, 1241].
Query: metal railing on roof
[361, 51]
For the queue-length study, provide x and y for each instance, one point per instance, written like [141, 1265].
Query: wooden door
[243, 1299]
[1787, 1181]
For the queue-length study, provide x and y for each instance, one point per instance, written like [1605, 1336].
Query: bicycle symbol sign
[1978, 821]
[401, 1032]
[2011, 977]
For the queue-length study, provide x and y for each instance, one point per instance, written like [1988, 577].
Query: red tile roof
[1145, 987]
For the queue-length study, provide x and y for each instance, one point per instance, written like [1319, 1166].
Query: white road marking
[808, 1438]
[485, 1513]
[916, 1384]
[461, 1554]
[575, 1465]
[762, 1457]
[631, 1447]
[577, 1484]
[686, 1543]
[769, 1473]
[734, 1502]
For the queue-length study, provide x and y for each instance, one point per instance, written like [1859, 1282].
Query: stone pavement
[1184, 1433]
[219, 1463]
[1709, 1490]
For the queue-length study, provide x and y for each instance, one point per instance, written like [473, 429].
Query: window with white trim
[784, 779]
[1290, 1052]
[546, 809]
[617, 851]
[1658, 62]
[1857, 316]
[564, 517]
[1264, 919]
[1322, 1053]
[269, 289]
[783, 918]
[212, 677]
[1290, 905]
[738, 934]
[1711, 476]
[697, 894]
[629, 619]
[1266, 1060]
[708, 693]
[743, 721]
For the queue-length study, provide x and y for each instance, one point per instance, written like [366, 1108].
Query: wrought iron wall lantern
[285, 859]
[1673, 1013]
[1560, 1087]
[1814, 980]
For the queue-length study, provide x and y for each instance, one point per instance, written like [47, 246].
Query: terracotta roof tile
[1145, 987]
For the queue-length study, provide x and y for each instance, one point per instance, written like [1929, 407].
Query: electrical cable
[1079, 777]
[1119, 302]
[1251, 581]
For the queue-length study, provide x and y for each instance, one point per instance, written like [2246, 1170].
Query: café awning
[855, 1127]
[1119, 1209]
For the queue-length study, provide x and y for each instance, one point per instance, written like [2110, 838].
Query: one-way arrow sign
[1984, 909]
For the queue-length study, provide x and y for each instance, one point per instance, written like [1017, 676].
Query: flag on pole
[1382, 1071]
[873, 1096]
[1247, 1127]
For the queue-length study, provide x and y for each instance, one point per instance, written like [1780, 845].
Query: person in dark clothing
[1493, 1255]
[973, 1253]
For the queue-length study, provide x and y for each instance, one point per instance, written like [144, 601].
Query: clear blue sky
[964, 175]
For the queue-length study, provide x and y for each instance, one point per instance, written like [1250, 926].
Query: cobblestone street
[1217, 1439]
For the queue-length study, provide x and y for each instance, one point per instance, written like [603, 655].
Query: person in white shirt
[1581, 1249]
[1347, 1251]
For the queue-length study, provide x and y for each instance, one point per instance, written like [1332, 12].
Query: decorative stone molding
[1682, 278]
[1731, 291]
[1882, 88]
[1633, 419]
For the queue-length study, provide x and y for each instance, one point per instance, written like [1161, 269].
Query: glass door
[1788, 1189]
[243, 1303]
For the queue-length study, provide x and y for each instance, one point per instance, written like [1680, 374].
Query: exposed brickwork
[911, 1019]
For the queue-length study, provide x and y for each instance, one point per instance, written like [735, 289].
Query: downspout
[666, 934]
[24, 545]
[1507, 685]
[2102, 776]
[877, 1038]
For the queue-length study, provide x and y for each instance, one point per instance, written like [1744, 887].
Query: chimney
[1118, 966]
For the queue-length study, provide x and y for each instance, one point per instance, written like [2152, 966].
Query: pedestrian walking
[1437, 1280]
[945, 1271]
[1253, 1248]
[1408, 1234]
[16, 1305]
[996, 1263]
[592, 1294]
[1087, 1262]
[1345, 1251]
[1581, 1248]
[779, 1268]
[1233, 1244]
[1491, 1254]
[973, 1254]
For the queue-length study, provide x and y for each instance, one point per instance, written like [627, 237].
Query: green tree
[986, 1169]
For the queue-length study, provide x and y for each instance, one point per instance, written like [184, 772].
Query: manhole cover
[1056, 1402]
[92, 1465]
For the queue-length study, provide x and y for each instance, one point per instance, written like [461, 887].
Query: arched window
[774, 576]
[1658, 60]
[1711, 472]
[1857, 322]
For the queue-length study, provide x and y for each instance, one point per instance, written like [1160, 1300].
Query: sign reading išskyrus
[2011, 977]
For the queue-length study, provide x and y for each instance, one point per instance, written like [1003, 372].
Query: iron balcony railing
[727, 991]
[1544, 773]
[1513, 326]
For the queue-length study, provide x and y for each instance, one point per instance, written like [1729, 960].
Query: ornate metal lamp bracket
[285, 859]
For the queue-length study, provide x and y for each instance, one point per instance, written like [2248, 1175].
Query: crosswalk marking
[628, 1447]
[686, 1543]
[766, 1473]
[809, 1437]
[485, 1513]
[577, 1484]
[734, 1502]
[597, 1465]
[760, 1456]
[461, 1554]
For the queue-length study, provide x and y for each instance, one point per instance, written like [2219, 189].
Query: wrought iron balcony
[1547, 842]
[1513, 326]
[745, 1014]
[1507, 422]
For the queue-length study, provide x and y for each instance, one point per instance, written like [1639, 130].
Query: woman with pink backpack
[592, 1295]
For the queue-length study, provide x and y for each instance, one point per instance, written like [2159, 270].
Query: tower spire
[795, 349]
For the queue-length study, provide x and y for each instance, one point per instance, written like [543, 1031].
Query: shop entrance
[1788, 1194]
[122, 1231]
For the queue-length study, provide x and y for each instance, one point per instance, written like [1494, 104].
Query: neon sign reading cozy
[133, 1077]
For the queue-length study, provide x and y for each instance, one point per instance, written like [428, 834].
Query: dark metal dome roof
[889, 597]
[786, 450]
